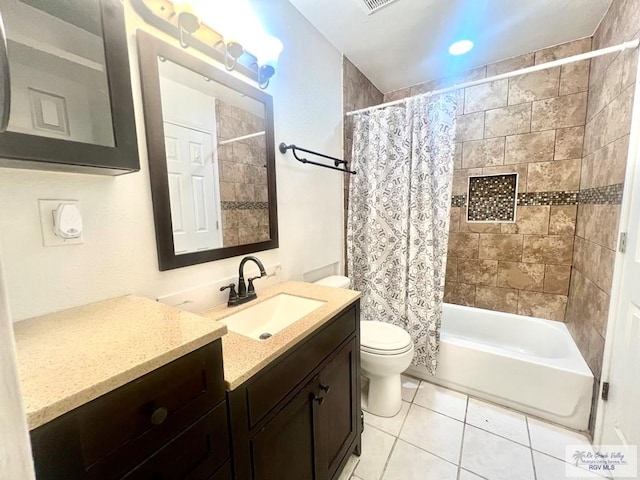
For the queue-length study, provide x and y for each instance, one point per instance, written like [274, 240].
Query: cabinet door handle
[159, 415]
[325, 388]
[5, 80]
[318, 399]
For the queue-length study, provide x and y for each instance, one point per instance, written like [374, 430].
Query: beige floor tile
[376, 447]
[433, 432]
[494, 457]
[498, 420]
[390, 425]
[441, 400]
[408, 462]
[549, 468]
[409, 388]
[553, 440]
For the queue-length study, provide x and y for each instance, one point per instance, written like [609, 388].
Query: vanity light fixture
[240, 29]
[188, 21]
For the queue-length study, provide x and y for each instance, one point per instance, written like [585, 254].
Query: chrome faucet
[245, 293]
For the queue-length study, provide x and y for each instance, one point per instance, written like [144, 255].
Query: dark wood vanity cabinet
[299, 418]
[169, 424]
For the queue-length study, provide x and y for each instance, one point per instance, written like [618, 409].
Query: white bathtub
[525, 363]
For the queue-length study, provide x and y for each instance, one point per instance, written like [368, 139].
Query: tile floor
[440, 434]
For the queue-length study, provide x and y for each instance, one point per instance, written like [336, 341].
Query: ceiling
[406, 42]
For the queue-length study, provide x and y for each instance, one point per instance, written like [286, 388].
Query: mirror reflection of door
[216, 150]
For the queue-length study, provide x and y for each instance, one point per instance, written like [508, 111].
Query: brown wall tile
[463, 245]
[562, 219]
[483, 153]
[574, 77]
[599, 224]
[556, 176]
[477, 272]
[534, 86]
[520, 169]
[486, 96]
[477, 227]
[588, 304]
[470, 127]
[498, 299]
[530, 220]
[500, 247]
[452, 270]
[504, 121]
[556, 279]
[457, 156]
[547, 249]
[459, 293]
[569, 143]
[454, 219]
[522, 276]
[605, 166]
[461, 180]
[538, 146]
[510, 64]
[559, 112]
[563, 50]
[542, 305]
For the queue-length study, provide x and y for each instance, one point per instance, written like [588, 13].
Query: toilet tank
[337, 281]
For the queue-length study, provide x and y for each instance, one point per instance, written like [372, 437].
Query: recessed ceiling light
[461, 47]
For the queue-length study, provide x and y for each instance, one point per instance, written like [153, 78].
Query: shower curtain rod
[556, 63]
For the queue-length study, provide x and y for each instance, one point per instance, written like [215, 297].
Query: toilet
[385, 352]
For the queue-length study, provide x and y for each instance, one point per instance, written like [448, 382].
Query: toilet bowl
[385, 352]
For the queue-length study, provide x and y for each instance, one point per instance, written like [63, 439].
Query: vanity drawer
[123, 427]
[266, 390]
[193, 455]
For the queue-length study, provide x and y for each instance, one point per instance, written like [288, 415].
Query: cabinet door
[285, 448]
[338, 414]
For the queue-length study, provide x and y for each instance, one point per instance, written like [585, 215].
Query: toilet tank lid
[337, 281]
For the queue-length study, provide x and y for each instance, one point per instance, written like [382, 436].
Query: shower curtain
[398, 218]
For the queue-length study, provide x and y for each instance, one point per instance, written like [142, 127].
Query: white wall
[119, 251]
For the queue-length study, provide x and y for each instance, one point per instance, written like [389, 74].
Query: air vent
[372, 6]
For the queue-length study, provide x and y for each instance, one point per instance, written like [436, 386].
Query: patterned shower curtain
[398, 219]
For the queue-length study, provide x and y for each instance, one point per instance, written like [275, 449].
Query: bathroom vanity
[130, 388]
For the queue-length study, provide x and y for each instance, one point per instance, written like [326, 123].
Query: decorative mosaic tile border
[492, 198]
[459, 201]
[548, 198]
[607, 195]
[244, 205]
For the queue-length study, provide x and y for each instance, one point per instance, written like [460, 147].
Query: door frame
[615, 302]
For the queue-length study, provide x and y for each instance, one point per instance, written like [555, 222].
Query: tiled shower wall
[611, 90]
[243, 177]
[532, 125]
[357, 92]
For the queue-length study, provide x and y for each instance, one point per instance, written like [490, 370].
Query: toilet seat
[381, 338]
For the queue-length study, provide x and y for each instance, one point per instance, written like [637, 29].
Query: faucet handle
[250, 287]
[233, 296]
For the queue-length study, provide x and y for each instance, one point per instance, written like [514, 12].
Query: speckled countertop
[69, 358]
[243, 356]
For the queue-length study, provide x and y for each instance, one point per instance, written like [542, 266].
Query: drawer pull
[159, 415]
[325, 388]
[318, 399]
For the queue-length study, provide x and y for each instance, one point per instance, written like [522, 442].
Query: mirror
[211, 158]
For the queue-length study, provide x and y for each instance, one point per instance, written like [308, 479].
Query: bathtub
[524, 363]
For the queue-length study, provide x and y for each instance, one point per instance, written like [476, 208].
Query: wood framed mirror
[211, 158]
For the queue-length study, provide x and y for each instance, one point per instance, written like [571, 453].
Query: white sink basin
[266, 318]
